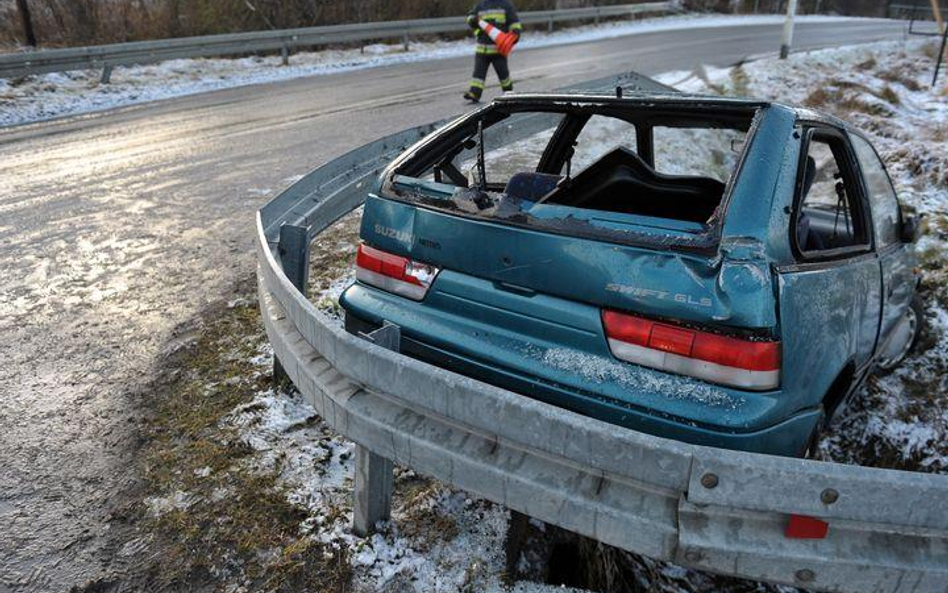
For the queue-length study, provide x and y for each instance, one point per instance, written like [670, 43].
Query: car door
[830, 296]
[895, 257]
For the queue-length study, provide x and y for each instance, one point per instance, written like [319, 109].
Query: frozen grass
[214, 504]
[70, 93]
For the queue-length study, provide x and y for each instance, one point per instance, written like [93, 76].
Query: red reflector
[804, 527]
[671, 339]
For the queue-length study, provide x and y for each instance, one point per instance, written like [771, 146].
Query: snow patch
[601, 370]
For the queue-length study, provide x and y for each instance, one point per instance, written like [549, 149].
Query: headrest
[809, 175]
[531, 186]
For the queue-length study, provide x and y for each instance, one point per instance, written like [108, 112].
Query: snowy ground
[71, 93]
[441, 539]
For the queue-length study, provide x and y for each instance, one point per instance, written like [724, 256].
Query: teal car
[718, 271]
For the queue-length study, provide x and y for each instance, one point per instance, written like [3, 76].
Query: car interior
[622, 182]
[625, 180]
[826, 220]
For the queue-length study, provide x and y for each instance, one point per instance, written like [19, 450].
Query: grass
[238, 525]
[332, 257]
[919, 398]
[740, 82]
[843, 98]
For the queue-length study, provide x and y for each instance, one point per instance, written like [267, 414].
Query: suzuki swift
[717, 271]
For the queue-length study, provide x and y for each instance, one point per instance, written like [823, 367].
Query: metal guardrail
[148, 52]
[700, 507]
[924, 12]
[917, 10]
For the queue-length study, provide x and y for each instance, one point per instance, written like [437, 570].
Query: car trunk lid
[729, 287]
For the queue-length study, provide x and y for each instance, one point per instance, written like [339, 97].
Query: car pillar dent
[757, 220]
[745, 282]
[762, 171]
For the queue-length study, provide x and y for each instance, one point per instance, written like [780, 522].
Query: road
[117, 228]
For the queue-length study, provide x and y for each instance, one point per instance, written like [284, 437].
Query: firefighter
[500, 14]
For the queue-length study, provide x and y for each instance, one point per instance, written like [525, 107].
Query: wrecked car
[718, 271]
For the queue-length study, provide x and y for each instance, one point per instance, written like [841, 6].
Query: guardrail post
[285, 55]
[294, 256]
[941, 56]
[374, 474]
[106, 74]
[406, 42]
[374, 477]
[549, 25]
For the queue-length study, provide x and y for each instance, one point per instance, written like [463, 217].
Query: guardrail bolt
[693, 556]
[709, 481]
[829, 496]
[805, 575]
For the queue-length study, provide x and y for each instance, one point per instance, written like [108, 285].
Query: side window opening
[698, 152]
[600, 136]
[886, 212]
[503, 157]
[694, 162]
[829, 214]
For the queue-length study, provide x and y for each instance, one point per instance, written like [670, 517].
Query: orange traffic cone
[504, 41]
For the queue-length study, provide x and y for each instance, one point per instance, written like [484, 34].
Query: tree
[27, 19]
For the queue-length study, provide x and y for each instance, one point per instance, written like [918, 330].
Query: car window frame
[429, 150]
[898, 202]
[852, 177]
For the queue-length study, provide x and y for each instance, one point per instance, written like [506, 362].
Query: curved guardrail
[700, 507]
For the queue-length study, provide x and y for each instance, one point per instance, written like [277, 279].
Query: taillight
[736, 362]
[394, 273]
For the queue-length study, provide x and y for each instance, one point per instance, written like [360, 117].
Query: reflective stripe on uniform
[506, 83]
[486, 49]
[499, 18]
[516, 27]
[478, 84]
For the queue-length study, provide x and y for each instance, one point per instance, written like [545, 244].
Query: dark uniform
[503, 15]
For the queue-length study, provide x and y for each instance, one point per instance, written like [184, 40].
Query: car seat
[807, 240]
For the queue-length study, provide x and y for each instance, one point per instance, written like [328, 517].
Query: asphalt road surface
[116, 228]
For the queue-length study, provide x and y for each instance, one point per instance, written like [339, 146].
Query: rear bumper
[787, 437]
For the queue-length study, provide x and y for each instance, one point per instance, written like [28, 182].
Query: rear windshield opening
[612, 166]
